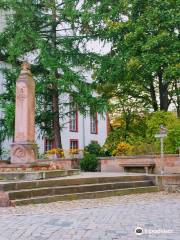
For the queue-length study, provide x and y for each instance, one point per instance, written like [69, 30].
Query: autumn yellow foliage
[123, 148]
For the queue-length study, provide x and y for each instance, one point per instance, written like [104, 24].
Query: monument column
[23, 149]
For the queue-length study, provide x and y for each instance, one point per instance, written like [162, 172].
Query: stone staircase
[73, 188]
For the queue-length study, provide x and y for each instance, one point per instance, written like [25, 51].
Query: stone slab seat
[148, 167]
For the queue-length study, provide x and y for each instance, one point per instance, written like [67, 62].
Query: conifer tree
[49, 33]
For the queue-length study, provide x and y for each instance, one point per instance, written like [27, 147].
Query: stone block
[4, 199]
[23, 153]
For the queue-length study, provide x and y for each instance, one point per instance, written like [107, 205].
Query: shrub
[114, 137]
[89, 163]
[123, 148]
[94, 148]
[105, 152]
[145, 148]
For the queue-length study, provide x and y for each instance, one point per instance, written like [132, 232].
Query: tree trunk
[178, 98]
[153, 97]
[127, 116]
[0, 149]
[56, 124]
[55, 98]
[163, 93]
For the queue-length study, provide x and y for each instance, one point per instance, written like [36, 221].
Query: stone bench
[148, 167]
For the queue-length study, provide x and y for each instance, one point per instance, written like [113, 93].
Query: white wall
[84, 135]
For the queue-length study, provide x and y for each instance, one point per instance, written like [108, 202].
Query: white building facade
[89, 129]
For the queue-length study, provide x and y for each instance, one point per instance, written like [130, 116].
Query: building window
[94, 123]
[49, 144]
[73, 113]
[74, 145]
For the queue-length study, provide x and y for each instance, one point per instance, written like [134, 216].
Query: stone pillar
[23, 149]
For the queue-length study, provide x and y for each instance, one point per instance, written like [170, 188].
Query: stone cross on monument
[23, 149]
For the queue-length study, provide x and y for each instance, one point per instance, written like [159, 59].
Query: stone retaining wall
[60, 163]
[169, 182]
[65, 163]
[113, 164]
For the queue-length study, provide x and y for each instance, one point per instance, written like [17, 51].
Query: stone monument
[23, 149]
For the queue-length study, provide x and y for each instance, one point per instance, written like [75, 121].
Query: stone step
[84, 195]
[37, 175]
[60, 190]
[17, 185]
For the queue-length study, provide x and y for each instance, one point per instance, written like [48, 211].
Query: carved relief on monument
[19, 152]
[21, 93]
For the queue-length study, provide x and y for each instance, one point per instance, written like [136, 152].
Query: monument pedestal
[23, 152]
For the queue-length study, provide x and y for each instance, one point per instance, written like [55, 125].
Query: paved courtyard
[115, 218]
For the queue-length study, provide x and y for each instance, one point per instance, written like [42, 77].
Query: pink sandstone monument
[23, 149]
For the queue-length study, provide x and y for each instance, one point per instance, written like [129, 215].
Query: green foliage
[146, 148]
[141, 135]
[167, 119]
[89, 162]
[9, 120]
[113, 139]
[141, 71]
[7, 104]
[172, 124]
[93, 148]
[144, 59]
[52, 33]
[129, 127]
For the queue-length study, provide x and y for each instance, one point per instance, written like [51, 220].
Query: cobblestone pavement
[115, 218]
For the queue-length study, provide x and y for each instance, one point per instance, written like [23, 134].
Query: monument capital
[25, 68]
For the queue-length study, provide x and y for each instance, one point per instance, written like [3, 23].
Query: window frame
[73, 112]
[74, 140]
[94, 120]
[52, 143]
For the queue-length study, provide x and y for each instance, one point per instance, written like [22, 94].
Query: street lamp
[162, 133]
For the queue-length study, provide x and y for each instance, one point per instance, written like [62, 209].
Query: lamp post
[162, 133]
